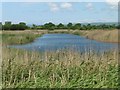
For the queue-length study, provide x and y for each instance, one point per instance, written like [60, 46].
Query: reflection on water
[53, 42]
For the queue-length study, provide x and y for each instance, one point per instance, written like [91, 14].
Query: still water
[53, 42]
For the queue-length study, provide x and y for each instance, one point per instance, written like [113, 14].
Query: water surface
[53, 42]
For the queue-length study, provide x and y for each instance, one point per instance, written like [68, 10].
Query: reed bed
[104, 35]
[10, 39]
[59, 69]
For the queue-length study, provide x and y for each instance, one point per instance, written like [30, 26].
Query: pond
[53, 42]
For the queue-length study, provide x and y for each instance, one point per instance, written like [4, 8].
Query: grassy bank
[18, 38]
[30, 35]
[98, 35]
[104, 35]
[66, 69]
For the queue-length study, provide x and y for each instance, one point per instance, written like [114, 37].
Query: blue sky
[59, 12]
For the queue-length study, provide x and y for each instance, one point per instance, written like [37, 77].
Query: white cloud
[89, 6]
[112, 2]
[66, 5]
[53, 6]
[57, 6]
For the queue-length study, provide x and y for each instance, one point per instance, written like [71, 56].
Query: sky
[59, 12]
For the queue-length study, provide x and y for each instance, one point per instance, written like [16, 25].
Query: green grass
[60, 69]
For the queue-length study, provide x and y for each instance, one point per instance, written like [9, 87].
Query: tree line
[52, 26]
[10, 26]
[77, 26]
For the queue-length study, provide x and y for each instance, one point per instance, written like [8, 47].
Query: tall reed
[60, 69]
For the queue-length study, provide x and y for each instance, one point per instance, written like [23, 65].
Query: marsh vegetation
[59, 69]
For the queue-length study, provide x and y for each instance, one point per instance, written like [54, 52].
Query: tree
[22, 26]
[49, 26]
[7, 25]
[15, 27]
[94, 27]
[88, 27]
[73, 28]
[69, 25]
[77, 26]
[84, 27]
[60, 26]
